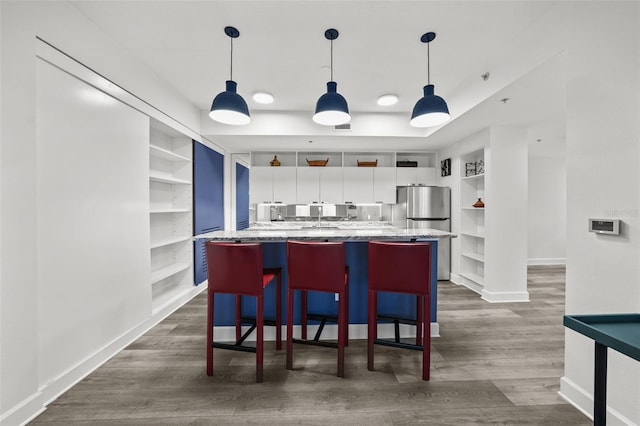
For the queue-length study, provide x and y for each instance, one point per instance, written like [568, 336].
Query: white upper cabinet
[358, 185]
[384, 185]
[272, 184]
[342, 177]
[421, 170]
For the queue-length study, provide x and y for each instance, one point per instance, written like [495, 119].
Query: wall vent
[342, 127]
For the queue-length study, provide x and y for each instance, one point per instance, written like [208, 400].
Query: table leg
[600, 386]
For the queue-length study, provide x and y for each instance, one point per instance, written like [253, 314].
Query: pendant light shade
[431, 110]
[229, 107]
[332, 108]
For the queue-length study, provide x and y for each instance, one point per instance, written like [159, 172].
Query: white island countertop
[327, 230]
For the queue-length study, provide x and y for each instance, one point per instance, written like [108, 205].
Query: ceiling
[282, 50]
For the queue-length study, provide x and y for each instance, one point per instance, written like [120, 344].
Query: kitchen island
[356, 235]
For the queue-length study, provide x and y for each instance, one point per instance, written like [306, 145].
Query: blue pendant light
[332, 108]
[430, 110]
[229, 107]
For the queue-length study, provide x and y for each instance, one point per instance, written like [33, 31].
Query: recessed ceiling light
[263, 97]
[386, 100]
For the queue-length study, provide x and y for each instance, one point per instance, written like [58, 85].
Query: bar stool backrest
[235, 268]
[400, 267]
[316, 265]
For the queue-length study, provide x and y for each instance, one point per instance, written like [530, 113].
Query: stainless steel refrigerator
[427, 207]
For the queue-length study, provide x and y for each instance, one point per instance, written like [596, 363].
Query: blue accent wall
[242, 197]
[208, 201]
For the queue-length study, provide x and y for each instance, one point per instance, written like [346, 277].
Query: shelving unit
[170, 214]
[472, 224]
[340, 181]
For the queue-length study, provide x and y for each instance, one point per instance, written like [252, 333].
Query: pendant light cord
[231, 64]
[331, 60]
[428, 66]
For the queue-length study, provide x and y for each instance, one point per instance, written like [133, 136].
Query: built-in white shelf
[473, 177]
[165, 154]
[168, 270]
[163, 178]
[472, 223]
[169, 241]
[170, 215]
[474, 256]
[474, 235]
[475, 279]
[159, 211]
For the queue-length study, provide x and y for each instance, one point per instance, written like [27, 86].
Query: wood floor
[497, 364]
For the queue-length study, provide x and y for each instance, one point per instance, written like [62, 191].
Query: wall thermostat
[605, 226]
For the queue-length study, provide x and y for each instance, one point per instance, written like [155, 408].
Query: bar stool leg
[426, 349]
[279, 312]
[238, 317]
[289, 329]
[342, 312]
[419, 315]
[372, 326]
[259, 338]
[210, 333]
[346, 323]
[303, 315]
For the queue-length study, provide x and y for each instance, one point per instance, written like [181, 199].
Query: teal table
[620, 332]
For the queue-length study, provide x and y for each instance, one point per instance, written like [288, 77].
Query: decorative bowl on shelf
[479, 204]
[275, 162]
[367, 163]
[317, 163]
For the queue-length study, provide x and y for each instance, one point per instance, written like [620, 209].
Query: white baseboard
[455, 278]
[547, 261]
[35, 404]
[582, 400]
[504, 296]
[24, 412]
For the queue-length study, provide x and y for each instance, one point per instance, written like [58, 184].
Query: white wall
[547, 211]
[505, 270]
[603, 180]
[24, 374]
[93, 220]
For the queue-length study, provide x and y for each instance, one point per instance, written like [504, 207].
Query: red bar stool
[401, 268]
[317, 266]
[236, 268]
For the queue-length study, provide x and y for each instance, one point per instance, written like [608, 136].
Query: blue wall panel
[242, 197]
[208, 201]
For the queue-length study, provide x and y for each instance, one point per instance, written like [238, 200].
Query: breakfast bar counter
[356, 235]
[326, 230]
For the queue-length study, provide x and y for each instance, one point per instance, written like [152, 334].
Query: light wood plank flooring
[497, 364]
